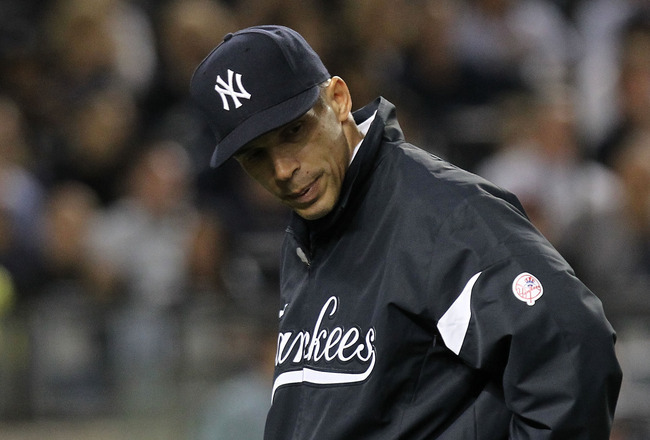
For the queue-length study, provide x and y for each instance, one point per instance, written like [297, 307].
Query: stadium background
[137, 287]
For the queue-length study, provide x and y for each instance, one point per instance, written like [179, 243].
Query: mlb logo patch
[527, 288]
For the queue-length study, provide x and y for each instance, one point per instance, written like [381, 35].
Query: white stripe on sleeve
[454, 323]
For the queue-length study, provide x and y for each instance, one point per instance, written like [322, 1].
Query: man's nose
[284, 165]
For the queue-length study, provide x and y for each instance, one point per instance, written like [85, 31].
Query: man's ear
[339, 98]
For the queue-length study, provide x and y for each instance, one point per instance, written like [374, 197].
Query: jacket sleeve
[524, 318]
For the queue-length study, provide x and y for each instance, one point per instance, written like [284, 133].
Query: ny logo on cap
[227, 89]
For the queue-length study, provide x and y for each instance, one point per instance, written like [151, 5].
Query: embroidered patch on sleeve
[527, 288]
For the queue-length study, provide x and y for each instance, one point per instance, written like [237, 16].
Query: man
[417, 300]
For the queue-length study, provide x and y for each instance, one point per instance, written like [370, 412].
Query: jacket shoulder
[425, 180]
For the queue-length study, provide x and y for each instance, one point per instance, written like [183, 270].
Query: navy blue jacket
[426, 306]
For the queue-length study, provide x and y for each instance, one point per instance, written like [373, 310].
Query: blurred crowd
[134, 279]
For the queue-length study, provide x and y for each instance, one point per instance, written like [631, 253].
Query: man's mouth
[299, 194]
[304, 195]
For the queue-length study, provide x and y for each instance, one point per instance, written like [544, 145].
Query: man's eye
[294, 130]
[255, 154]
[251, 155]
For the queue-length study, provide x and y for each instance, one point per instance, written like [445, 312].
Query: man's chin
[313, 212]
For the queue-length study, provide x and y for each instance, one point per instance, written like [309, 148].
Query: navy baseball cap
[256, 80]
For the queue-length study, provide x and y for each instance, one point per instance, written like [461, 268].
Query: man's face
[302, 163]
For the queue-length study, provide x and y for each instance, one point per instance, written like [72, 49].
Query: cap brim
[263, 122]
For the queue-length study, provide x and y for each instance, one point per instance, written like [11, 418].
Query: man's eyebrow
[298, 119]
[257, 143]
[247, 148]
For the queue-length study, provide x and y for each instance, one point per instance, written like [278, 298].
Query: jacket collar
[384, 126]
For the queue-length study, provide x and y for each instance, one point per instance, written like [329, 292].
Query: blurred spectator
[598, 23]
[210, 318]
[63, 240]
[13, 359]
[503, 46]
[506, 42]
[236, 409]
[21, 198]
[22, 67]
[139, 249]
[97, 143]
[68, 370]
[207, 255]
[187, 30]
[468, 54]
[7, 292]
[611, 250]
[94, 42]
[139, 242]
[633, 86]
[302, 15]
[434, 84]
[135, 45]
[541, 162]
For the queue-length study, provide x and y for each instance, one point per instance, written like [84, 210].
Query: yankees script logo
[321, 349]
[227, 89]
